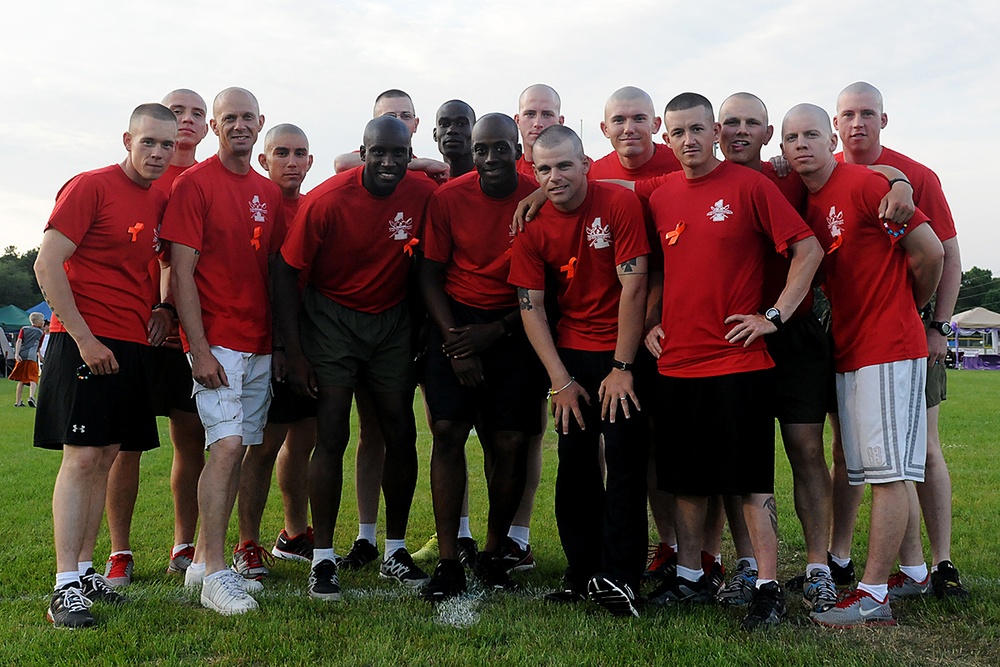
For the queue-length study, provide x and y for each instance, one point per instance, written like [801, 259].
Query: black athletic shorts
[287, 407]
[76, 407]
[515, 383]
[715, 434]
[804, 387]
[171, 384]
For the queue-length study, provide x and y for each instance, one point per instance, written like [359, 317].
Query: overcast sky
[73, 72]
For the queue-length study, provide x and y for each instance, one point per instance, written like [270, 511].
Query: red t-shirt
[231, 220]
[112, 220]
[583, 249]
[775, 264]
[525, 168]
[359, 247]
[165, 182]
[927, 192]
[715, 232]
[471, 233]
[610, 166]
[867, 277]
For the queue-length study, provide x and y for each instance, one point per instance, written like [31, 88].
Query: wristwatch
[622, 365]
[943, 328]
[773, 315]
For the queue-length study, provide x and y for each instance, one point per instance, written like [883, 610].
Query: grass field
[377, 623]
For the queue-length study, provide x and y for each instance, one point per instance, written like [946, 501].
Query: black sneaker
[842, 575]
[662, 562]
[616, 597]
[69, 608]
[323, 581]
[715, 574]
[31, 402]
[298, 548]
[946, 583]
[468, 550]
[97, 589]
[491, 572]
[400, 567]
[681, 590]
[448, 581]
[514, 557]
[766, 608]
[362, 552]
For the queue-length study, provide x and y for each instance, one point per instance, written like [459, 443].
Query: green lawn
[377, 623]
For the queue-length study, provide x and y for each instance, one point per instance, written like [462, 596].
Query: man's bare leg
[812, 485]
[293, 475]
[935, 492]
[188, 437]
[122, 491]
[761, 514]
[846, 498]
[77, 498]
[255, 481]
[216, 496]
[369, 464]
[890, 512]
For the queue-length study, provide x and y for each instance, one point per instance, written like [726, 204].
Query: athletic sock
[463, 527]
[323, 554]
[127, 552]
[197, 568]
[83, 566]
[916, 572]
[392, 546]
[690, 574]
[366, 531]
[818, 566]
[179, 548]
[842, 562]
[878, 591]
[63, 578]
[521, 535]
[750, 561]
[761, 582]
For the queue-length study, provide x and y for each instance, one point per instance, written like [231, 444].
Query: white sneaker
[225, 594]
[196, 578]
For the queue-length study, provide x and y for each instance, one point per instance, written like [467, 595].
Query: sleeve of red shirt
[629, 228]
[527, 268]
[184, 219]
[645, 188]
[778, 219]
[935, 206]
[874, 189]
[305, 235]
[76, 206]
[437, 239]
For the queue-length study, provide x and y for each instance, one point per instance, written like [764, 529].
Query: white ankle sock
[366, 531]
[521, 535]
[463, 527]
[392, 546]
[83, 566]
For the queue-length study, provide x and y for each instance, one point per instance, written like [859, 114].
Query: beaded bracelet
[893, 233]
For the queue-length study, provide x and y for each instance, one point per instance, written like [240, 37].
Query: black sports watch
[773, 315]
[622, 365]
[943, 328]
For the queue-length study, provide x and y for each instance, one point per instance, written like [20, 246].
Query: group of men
[662, 295]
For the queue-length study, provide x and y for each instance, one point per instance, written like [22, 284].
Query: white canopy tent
[978, 320]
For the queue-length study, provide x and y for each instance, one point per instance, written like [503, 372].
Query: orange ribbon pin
[135, 229]
[255, 241]
[837, 242]
[569, 268]
[410, 245]
[672, 236]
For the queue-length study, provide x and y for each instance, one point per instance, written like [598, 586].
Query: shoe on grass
[843, 575]
[946, 583]
[70, 608]
[195, 579]
[614, 596]
[515, 558]
[662, 561]
[819, 593]
[448, 581]
[904, 586]
[362, 552]
[468, 551]
[298, 548]
[181, 560]
[226, 594]
[855, 608]
[249, 560]
[766, 608]
[740, 589]
[118, 570]
[98, 589]
[323, 581]
[400, 567]
[681, 590]
[492, 574]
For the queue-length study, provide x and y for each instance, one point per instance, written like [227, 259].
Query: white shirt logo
[258, 209]
[399, 228]
[719, 212]
[835, 221]
[598, 235]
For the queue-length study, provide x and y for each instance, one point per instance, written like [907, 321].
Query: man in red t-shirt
[859, 120]
[356, 237]
[479, 362]
[170, 381]
[880, 381]
[630, 123]
[710, 344]
[537, 109]
[221, 223]
[93, 268]
[586, 235]
[290, 433]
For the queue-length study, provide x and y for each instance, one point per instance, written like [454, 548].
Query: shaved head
[629, 94]
[456, 108]
[537, 90]
[150, 110]
[496, 124]
[861, 88]
[282, 130]
[234, 93]
[183, 92]
[745, 98]
[386, 129]
[391, 94]
[557, 135]
[819, 117]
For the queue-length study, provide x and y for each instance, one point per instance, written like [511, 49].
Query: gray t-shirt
[30, 338]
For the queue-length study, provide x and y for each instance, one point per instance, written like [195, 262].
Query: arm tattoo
[772, 510]
[627, 267]
[523, 298]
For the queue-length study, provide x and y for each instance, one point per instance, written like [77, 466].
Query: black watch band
[773, 315]
[622, 365]
[943, 328]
